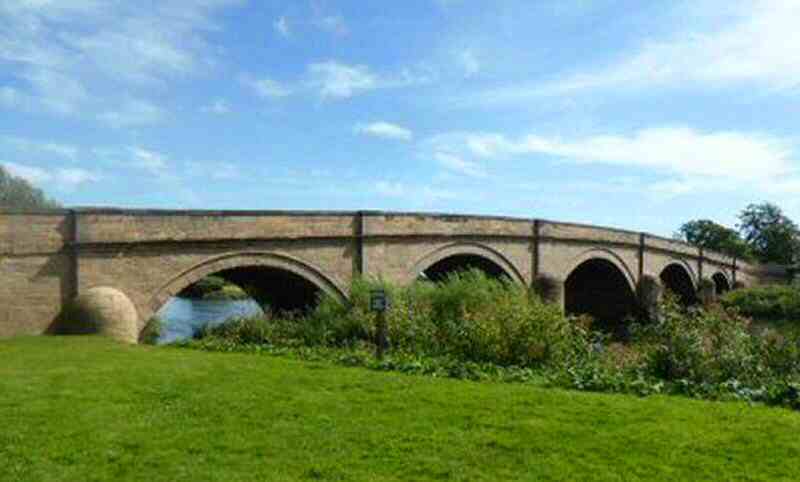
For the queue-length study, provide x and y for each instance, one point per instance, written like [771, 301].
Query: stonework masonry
[48, 258]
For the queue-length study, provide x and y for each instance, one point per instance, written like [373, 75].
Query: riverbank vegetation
[86, 408]
[476, 327]
[214, 288]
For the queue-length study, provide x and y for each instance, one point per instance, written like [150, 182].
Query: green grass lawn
[83, 408]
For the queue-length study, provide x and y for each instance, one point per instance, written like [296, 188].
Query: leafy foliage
[16, 192]
[772, 236]
[772, 302]
[710, 235]
[474, 327]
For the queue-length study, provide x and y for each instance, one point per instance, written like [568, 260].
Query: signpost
[379, 303]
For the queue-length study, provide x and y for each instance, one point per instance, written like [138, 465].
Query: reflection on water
[182, 317]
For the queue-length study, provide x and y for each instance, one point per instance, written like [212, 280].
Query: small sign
[378, 301]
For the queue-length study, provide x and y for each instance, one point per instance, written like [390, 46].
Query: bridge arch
[679, 278]
[721, 283]
[601, 285]
[276, 262]
[456, 256]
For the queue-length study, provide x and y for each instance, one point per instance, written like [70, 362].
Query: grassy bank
[83, 408]
[475, 327]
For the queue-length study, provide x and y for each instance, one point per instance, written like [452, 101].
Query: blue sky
[638, 114]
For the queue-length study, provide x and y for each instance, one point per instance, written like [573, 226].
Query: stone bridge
[48, 258]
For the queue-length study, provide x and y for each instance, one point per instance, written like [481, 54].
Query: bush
[475, 327]
[469, 316]
[774, 302]
[152, 331]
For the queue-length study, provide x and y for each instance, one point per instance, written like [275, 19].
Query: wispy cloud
[758, 46]
[30, 145]
[61, 178]
[71, 57]
[469, 62]
[384, 130]
[336, 80]
[455, 163]
[334, 24]
[413, 195]
[150, 161]
[265, 87]
[218, 107]
[281, 25]
[133, 113]
[678, 150]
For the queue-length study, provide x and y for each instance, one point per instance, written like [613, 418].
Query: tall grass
[473, 321]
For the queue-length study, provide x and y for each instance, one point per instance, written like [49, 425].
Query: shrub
[773, 302]
[468, 316]
[152, 331]
[701, 346]
[476, 327]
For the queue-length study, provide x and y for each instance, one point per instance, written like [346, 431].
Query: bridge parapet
[34, 232]
[585, 233]
[137, 226]
[420, 224]
[671, 246]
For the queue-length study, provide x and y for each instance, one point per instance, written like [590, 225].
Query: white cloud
[413, 194]
[334, 24]
[759, 46]
[150, 161]
[469, 62]
[337, 80]
[65, 179]
[29, 145]
[282, 27]
[73, 57]
[265, 88]
[219, 107]
[133, 113]
[677, 150]
[57, 92]
[32, 174]
[455, 163]
[9, 97]
[385, 130]
[223, 171]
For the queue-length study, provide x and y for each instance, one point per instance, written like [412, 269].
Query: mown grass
[84, 408]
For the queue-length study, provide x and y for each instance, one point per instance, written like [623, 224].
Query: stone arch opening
[441, 269]
[278, 280]
[599, 288]
[721, 285]
[273, 288]
[676, 279]
[454, 258]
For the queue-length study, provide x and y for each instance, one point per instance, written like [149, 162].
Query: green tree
[16, 192]
[707, 234]
[772, 236]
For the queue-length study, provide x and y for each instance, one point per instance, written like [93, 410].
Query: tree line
[16, 192]
[764, 233]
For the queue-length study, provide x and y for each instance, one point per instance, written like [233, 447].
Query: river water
[182, 317]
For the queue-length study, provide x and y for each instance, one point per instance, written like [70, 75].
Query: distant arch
[600, 285]
[459, 256]
[276, 262]
[721, 283]
[678, 278]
